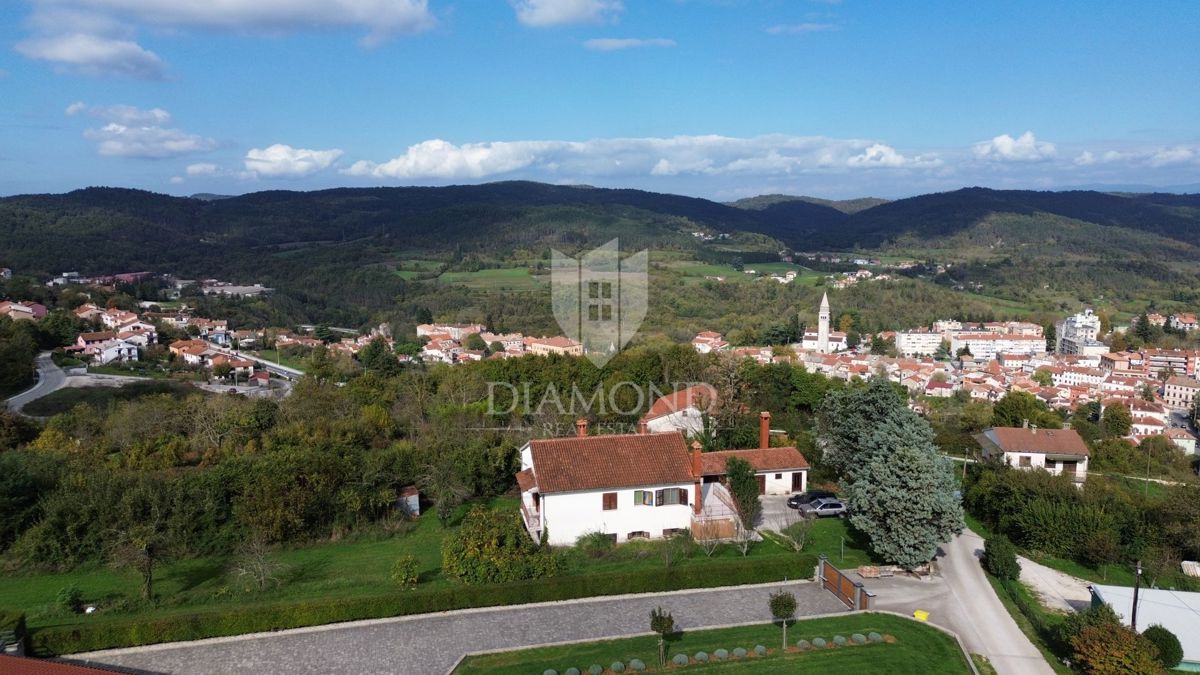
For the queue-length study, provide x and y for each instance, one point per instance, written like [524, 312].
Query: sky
[719, 99]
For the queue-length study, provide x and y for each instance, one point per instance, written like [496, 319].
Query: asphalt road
[51, 378]
[962, 600]
[431, 644]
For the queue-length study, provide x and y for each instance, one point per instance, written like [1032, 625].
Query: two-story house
[1059, 451]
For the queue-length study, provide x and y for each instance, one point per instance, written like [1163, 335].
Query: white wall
[783, 485]
[687, 420]
[570, 514]
[1038, 461]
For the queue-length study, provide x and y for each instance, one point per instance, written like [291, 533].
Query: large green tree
[1018, 407]
[744, 486]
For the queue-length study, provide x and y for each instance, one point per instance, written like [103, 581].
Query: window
[778, 476]
[672, 531]
[1050, 464]
[1024, 461]
[671, 496]
[610, 501]
[643, 498]
[640, 534]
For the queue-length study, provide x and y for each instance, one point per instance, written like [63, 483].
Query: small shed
[410, 500]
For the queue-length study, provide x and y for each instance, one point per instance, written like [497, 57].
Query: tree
[943, 351]
[1018, 407]
[492, 546]
[783, 608]
[222, 370]
[964, 351]
[849, 421]
[378, 358]
[853, 339]
[1000, 558]
[1050, 331]
[255, 563]
[744, 486]
[1114, 650]
[475, 342]
[1044, 378]
[1116, 421]
[440, 482]
[662, 623]
[142, 548]
[1170, 652]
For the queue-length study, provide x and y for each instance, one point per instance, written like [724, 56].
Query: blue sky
[719, 98]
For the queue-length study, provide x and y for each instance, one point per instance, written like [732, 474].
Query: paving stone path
[431, 644]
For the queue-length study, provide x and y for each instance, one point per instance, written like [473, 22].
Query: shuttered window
[643, 498]
[671, 496]
[610, 501]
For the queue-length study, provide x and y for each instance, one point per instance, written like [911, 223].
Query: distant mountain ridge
[844, 205]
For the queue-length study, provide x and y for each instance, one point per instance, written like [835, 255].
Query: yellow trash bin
[921, 615]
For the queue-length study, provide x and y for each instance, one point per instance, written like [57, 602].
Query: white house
[114, 350]
[633, 486]
[1059, 451]
[681, 411]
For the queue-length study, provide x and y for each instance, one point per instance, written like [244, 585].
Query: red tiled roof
[17, 665]
[526, 481]
[699, 396]
[97, 337]
[595, 462]
[762, 459]
[1038, 441]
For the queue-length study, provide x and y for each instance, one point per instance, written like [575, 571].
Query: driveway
[50, 378]
[962, 600]
[1057, 590]
[431, 644]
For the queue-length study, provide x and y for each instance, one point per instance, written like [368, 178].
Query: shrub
[1170, 652]
[738, 652]
[803, 645]
[874, 637]
[1000, 558]
[637, 665]
[70, 598]
[760, 650]
[493, 547]
[549, 671]
[818, 643]
[571, 671]
[839, 640]
[594, 544]
[701, 657]
[217, 621]
[680, 659]
[1105, 650]
[595, 669]
[617, 667]
[859, 638]
[721, 654]
[406, 571]
[1074, 624]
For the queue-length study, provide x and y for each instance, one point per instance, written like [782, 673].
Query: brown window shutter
[683, 496]
[610, 501]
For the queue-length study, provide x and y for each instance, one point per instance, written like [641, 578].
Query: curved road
[51, 378]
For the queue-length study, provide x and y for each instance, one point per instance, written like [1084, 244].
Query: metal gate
[842, 586]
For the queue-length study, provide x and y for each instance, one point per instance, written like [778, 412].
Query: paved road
[963, 601]
[431, 644]
[50, 378]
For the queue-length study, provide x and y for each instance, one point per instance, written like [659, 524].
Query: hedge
[105, 633]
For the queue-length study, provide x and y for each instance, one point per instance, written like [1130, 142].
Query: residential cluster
[446, 344]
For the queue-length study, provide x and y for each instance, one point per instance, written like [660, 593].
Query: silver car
[822, 508]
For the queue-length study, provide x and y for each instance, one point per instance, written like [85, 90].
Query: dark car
[823, 508]
[796, 501]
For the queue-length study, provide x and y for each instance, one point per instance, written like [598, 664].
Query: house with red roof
[1059, 451]
[682, 410]
[639, 486]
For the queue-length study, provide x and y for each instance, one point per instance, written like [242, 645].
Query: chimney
[696, 459]
[581, 427]
[698, 498]
[1033, 429]
[643, 427]
[764, 429]
[1025, 424]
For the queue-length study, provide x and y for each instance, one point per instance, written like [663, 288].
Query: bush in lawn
[760, 650]
[1097, 615]
[874, 637]
[594, 544]
[70, 598]
[549, 671]
[637, 665]
[859, 638]
[571, 671]
[595, 669]
[818, 643]
[493, 547]
[680, 659]
[721, 654]
[663, 623]
[803, 645]
[1101, 650]
[839, 640]
[406, 571]
[739, 653]
[617, 667]
[1170, 652]
[701, 657]
[1000, 558]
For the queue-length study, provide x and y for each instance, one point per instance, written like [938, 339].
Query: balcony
[533, 522]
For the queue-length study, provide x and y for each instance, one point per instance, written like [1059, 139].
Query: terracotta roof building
[1059, 451]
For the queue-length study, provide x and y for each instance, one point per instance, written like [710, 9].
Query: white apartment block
[1078, 334]
[985, 346]
[918, 343]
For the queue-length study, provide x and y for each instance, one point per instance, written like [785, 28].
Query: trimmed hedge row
[104, 633]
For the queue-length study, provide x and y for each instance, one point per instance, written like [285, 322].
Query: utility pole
[1137, 584]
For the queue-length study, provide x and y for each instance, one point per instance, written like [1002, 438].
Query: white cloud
[134, 132]
[94, 55]
[542, 13]
[1005, 148]
[679, 155]
[1085, 158]
[202, 169]
[284, 161]
[614, 44]
[798, 28]
[176, 180]
[1169, 156]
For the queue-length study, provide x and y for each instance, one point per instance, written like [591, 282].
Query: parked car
[795, 501]
[823, 508]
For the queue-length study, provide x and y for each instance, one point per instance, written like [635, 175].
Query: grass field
[833, 538]
[917, 648]
[152, 372]
[101, 397]
[694, 271]
[353, 568]
[296, 362]
[503, 279]
[411, 269]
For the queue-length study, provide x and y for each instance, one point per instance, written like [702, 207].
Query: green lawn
[148, 371]
[833, 538]
[502, 279]
[354, 568]
[100, 397]
[917, 648]
[295, 362]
